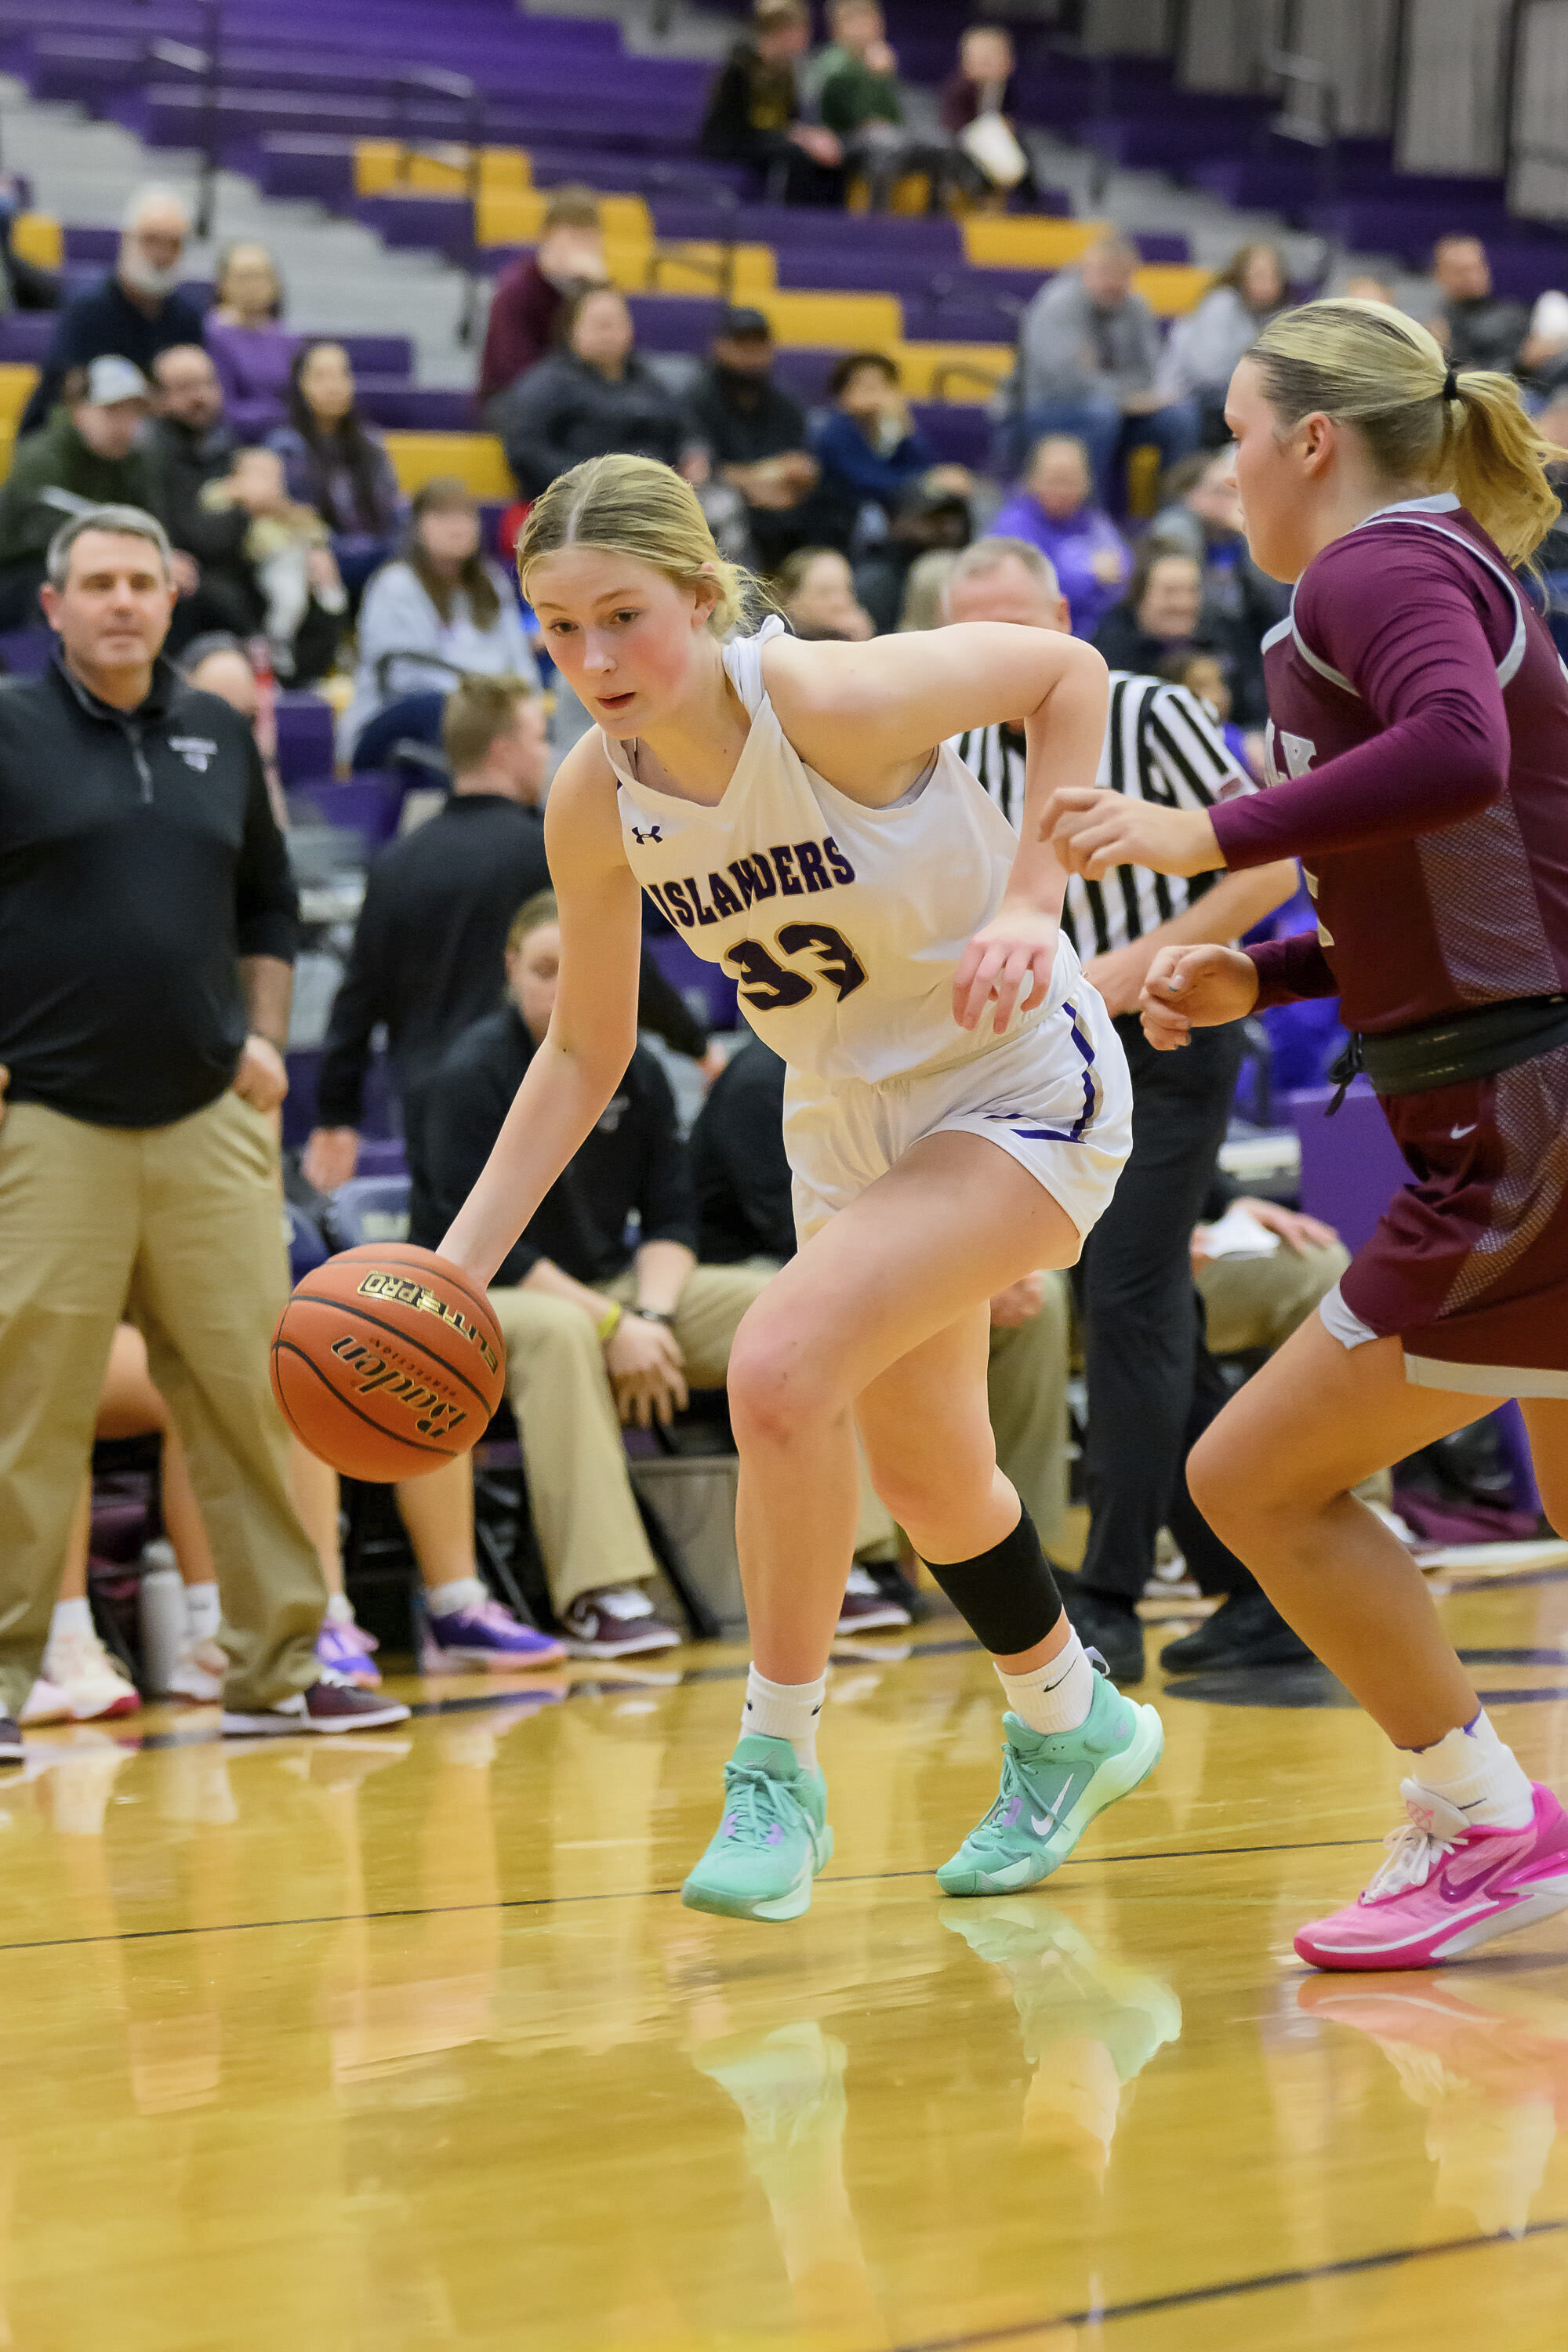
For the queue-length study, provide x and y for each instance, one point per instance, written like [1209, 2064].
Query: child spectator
[287, 549]
[977, 112]
[857, 84]
[532, 292]
[869, 447]
[251, 352]
[753, 111]
[1054, 510]
[336, 463]
[441, 611]
[817, 594]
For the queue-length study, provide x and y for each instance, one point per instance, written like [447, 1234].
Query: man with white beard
[135, 312]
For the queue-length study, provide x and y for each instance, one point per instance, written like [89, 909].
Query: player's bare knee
[774, 1393]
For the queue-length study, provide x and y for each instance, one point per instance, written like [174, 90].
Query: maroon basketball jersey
[1410, 644]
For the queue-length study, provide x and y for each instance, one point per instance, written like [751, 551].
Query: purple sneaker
[346, 1650]
[487, 1635]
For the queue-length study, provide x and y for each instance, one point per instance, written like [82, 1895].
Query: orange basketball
[387, 1361]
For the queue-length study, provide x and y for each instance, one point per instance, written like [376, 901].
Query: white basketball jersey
[842, 924]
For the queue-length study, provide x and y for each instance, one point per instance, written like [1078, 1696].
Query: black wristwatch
[654, 1315]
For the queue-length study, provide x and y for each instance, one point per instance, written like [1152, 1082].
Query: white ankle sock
[1472, 1768]
[446, 1600]
[784, 1711]
[204, 1612]
[1056, 1697]
[71, 1617]
[340, 1610]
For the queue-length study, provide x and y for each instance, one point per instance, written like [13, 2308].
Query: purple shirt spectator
[1091, 558]
[253, 364]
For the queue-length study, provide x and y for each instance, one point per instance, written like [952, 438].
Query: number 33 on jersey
[841, 924]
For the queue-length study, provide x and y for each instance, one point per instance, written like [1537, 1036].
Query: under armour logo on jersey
[653, 833]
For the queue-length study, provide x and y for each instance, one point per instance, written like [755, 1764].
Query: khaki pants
[180, 1227]
[1258, 1302]
[579, 1482]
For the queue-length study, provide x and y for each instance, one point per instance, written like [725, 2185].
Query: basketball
[387, 1361]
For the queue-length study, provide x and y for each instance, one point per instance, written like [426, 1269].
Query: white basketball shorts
[1057, 1095]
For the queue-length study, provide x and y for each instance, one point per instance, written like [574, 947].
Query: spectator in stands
[1090, 356]
[979, 91]
[228, 509]
[757, 439]
[1054, 510]
[252, 352]
[532, 292]
[1203, 674]
[133, 313]
[933, 517]
[754, 112]
[925, 585]
[336, 463]
[440, 612]
[869, 447]
[148, 935]
[219, 664]
[592, 395]
[856, 82]
[23, 285]
[1153, 1386]
[1164, 615]
[1474, 326]
[1201, 518]
[87, 453]
[1364, 288]
[597, 1333]
[1203, 348]
[744, 1197]
[817, 594]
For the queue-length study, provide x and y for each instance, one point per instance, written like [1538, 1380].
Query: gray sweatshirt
[1069, 351]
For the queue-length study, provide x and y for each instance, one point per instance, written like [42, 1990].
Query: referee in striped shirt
[1153, 1386]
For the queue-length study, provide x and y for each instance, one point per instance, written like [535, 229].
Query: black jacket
[749, 108]
[743, 418]
[139, 860]
[738, 1161]
[182, 463]
[634, 1159]
[103, 320]
[563, 411]
[429, 954]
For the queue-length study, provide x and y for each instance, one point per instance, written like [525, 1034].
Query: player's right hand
[1195, 988]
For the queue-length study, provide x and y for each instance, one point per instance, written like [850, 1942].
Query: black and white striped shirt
[1161, 744]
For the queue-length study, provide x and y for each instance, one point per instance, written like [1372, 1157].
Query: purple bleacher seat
[714, 993]
[317, 165]
[674, 322]
[98, 246]
[382, 1156]
[379, 1117]
[1350, 1165]
[26, 652]
[804, 373]
[422, 222]
[401, 407]
[959, 433]
[304, 737]
[27, 334]
[368, 804]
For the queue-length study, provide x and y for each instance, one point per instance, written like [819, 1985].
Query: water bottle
[162, 1615]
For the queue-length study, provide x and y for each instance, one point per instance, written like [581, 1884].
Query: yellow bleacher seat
[958, 371]
[514, 217]
[377, 170]
[17, 382]
[1023, 241]
[839, 321]
[1172, 287]
[37, 238]
[474, 458]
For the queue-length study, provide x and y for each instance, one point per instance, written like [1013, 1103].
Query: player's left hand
[262, 1078]
[1007, 964]
[1092, 831]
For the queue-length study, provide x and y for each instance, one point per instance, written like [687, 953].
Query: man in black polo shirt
[147, 934]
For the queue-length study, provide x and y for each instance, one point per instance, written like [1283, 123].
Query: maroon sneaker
[11, 1749]
[331, 1703]
[867, 1608]
[619, 1620]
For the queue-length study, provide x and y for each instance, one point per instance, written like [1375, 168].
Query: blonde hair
[637, 507]
[1366, 365]
[531, 916]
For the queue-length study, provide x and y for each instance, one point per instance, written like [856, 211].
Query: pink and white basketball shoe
[1447, 1885]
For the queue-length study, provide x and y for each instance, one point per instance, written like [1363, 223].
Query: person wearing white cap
[88, 455]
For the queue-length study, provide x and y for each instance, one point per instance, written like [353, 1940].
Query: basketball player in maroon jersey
[1418, 747]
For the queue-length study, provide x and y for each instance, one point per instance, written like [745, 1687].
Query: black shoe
[11, 1749]
[1106, 1623]
[1245, 1630]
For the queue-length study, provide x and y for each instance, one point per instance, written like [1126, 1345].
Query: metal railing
[203, 63]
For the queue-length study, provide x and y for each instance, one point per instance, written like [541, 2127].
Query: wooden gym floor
[406, 2041]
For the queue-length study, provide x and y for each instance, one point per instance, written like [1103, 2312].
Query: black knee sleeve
[1007, 1594]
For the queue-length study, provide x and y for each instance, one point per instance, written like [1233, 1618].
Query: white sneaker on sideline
[198, 1674]
[93, 1682]
[45, 1704]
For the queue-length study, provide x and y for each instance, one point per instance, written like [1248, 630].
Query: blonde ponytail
[637, 506]
[1367, 365]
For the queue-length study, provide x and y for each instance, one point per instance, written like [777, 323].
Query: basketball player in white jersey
[956, 1114]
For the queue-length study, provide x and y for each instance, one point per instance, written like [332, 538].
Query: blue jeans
[1108, 436]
